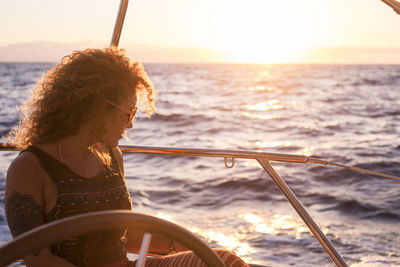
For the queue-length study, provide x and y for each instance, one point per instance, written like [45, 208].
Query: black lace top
[77, 195]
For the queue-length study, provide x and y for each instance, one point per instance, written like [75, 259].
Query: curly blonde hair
[76, 91]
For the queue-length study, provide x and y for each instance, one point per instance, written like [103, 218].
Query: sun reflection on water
[273, 104]
[263, 76]
[261, 88]
[165, 216]
[231, 242]
[259, 116]
[307, 151]
[251, 163]
[273, 144]
[276, 225]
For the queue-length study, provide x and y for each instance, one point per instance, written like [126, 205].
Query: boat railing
[395, 5]
[264, 159]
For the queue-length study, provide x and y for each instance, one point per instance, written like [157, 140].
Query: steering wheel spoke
[144, 249]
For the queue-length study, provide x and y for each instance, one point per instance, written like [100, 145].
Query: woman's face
[121, 119]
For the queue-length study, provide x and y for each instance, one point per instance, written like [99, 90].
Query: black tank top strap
[54, 168]
[111, 152]
[114, 162]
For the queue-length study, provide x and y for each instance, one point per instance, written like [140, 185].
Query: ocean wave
[211, 194]
[179, 118]
[366, 81]
[352, 207]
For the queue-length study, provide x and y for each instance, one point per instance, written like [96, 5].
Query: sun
[262, 31]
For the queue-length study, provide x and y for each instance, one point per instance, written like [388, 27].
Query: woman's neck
[74, 152]
[74, 147]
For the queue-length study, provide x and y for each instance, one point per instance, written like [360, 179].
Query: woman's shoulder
[24, 162]
[25, 172]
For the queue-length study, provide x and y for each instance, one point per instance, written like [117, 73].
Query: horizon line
[52, 52]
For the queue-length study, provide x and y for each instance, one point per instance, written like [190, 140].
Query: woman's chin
[113, 143]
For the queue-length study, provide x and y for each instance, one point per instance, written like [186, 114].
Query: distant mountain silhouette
[53, 52]
[38, 51]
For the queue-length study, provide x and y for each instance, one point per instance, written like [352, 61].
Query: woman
[70, 163]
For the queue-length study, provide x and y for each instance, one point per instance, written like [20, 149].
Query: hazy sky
[207, 30]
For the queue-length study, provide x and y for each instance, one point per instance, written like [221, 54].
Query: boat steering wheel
[55, 231]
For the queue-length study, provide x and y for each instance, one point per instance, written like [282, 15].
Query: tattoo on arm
[23, 213]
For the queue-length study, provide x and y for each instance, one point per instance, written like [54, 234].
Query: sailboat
[52, 232]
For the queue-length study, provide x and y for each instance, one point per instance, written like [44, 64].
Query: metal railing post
[119, 23]
[300, 209]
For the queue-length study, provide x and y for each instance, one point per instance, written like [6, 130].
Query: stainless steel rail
[119, 23]
[393, 4]
[242, 154]
[263, 159]
[196, 152]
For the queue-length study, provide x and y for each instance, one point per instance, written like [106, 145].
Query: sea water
[349, 114]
